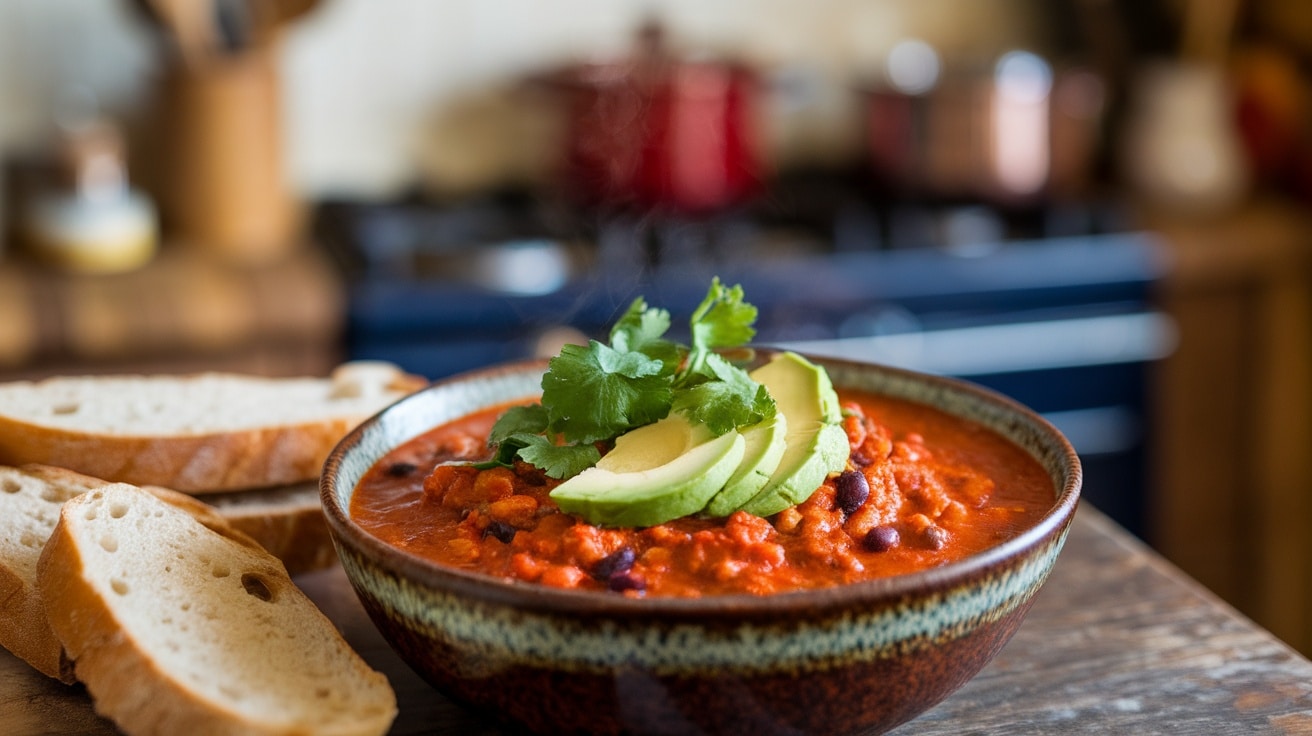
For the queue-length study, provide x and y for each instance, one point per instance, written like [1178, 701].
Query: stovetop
[804, 215]
[1051, 305]
[818, 255]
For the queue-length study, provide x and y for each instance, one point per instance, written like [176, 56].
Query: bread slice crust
[208, 432]
[227, 461]
[177, 623]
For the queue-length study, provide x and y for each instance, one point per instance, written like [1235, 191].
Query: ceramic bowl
[858, 658]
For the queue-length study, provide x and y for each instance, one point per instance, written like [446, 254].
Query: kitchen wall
[380, 93]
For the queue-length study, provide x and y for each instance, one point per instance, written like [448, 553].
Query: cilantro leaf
[710, 390]
[527, 419]
[558, 461]
[722, 320]
[731, 400]
[596, 392]
[506, 452]
[640, 330]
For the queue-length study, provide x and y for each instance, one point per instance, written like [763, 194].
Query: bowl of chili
[852, 612]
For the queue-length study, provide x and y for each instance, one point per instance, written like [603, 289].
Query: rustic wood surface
[1118, 642]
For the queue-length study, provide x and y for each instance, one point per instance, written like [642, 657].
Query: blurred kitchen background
[1098, 207]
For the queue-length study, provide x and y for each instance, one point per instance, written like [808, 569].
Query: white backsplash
[381, 93]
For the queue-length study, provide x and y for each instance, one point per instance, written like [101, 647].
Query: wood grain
[1232, 497]
[1199, 457]
[1283, 465]
[1119, 641]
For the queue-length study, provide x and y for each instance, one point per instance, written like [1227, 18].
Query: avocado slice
[816, 444]
[764, 447]
[655, 473]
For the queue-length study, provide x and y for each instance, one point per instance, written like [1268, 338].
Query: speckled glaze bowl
[859, 658]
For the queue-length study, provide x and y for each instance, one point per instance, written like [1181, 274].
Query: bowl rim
[532, 596]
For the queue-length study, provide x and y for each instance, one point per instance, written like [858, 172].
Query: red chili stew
[922, 489]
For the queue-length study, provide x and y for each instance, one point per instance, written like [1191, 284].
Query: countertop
[184, 311]
[1119, 641]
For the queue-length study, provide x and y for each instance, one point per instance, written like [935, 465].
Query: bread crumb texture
[30, 499]
[221, 621]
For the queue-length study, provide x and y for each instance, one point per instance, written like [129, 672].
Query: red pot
[660, 133]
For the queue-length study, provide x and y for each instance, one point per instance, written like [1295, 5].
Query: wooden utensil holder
[223, 185]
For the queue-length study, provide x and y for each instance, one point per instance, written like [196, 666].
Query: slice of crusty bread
[30, 499]
[198, 433]
[287, 521]
[178, 625]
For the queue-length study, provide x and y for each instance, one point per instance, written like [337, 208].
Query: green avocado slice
[763, 449]
[816, 444]
[655, 473]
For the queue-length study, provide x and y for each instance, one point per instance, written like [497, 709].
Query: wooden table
[1118, 642]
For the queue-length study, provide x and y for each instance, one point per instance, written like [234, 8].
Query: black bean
[623, 581]
[881, 539]
[935, 537]
[501, 530]
[402, 470]
[853, 490]
[615, 563]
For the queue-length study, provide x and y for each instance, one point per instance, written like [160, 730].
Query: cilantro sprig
[593, 393]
